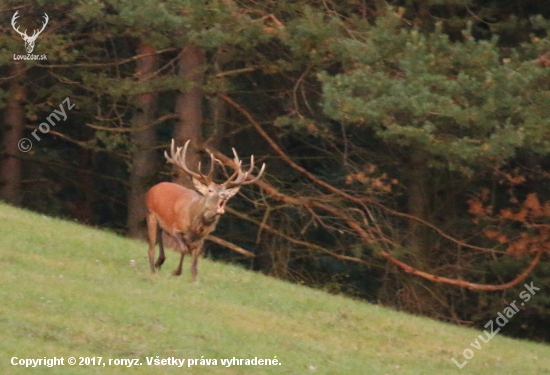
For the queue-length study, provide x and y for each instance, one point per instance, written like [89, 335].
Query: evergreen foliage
[365, 112]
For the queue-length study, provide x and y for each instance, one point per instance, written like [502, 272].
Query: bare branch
[230, 245]
[462, 283]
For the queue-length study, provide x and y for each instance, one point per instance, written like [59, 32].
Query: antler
[177, 157]
[46, 19]
[239, 177]
[15, 16]
[24, 34]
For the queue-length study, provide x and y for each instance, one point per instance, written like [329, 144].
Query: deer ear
[201, 188]
[231, 192]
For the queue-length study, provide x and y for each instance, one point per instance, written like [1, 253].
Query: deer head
[216, 195]
[29, 40]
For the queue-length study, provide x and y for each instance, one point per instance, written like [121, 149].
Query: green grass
[68, 290]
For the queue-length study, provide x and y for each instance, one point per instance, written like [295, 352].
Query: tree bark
[84, 208]
[144, 139]
[14, 121]
[418, 204]
[189, 108]
[217, 106]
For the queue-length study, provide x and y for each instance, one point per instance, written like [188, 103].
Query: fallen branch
[366, 237]
[230, 245]
[462, 283]
[360, 201]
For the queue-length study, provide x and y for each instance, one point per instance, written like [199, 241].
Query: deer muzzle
[221, 207]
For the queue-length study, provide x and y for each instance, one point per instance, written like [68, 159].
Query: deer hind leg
[152, 229]
[183, 249]
[162, 257]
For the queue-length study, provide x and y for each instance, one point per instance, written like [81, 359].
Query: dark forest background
[407, 142]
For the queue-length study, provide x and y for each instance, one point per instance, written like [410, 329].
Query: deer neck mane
[206, 219]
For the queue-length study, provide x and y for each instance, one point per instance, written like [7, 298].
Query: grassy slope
[67, 290]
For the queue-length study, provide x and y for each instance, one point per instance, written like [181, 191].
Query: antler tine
[255, 178]
[232, 177]
[209, 176]
[199, 168]
[178, 159]
[212, 161]
[241, 176]
[251, 164]
[236, 157]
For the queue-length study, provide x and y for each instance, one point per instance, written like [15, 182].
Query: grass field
[72, 291]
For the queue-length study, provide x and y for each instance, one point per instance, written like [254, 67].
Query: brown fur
[186, 216]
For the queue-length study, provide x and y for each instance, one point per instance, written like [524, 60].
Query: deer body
[186, 215]
[181, 209]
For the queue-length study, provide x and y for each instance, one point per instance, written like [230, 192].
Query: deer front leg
[196, 252]
[183, 249]
[177, 271]
[194, 266]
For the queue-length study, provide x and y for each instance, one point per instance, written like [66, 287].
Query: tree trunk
[144, 139]
[418, 296]
[217, 106]
[419, 204]
[14, 121]
[84, 211]
[189, 108]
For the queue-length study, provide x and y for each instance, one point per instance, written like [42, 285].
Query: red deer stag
[184, 214]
